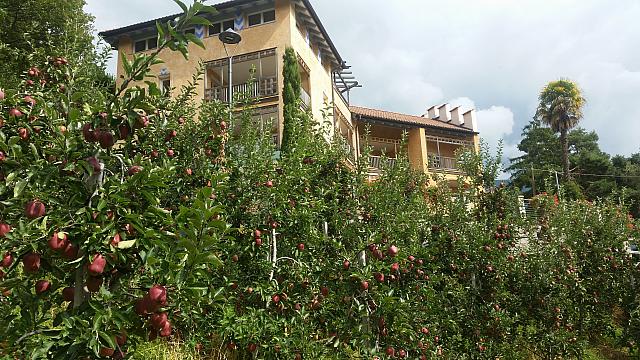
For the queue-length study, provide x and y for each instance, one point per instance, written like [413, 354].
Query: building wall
[279, 35]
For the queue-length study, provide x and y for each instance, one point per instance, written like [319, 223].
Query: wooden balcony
[439, 163]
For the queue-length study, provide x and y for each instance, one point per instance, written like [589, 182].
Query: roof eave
[111, 36]
[316, 18]
[425, 126]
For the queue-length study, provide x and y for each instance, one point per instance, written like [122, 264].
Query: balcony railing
[376, 161]
[260, 88]
[443, 163]
[305, 99]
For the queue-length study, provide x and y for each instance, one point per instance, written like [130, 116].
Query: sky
[491, 55]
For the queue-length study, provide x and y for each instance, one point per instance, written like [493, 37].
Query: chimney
[456, 116]
[431, 113]
[443, 113]
[470, 120]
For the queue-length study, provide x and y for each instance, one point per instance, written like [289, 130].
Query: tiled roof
[405, 119]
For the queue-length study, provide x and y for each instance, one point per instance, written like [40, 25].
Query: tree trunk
[564, 139]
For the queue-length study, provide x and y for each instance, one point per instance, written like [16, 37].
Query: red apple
[106, 139]
[31, 262]
[301, 247]
[223, 125]
[170, 135]
[134, 170]
[425, 331]
[29, 100]
[275, 298]
[379, 277]
[269, 184]
[258, 242]
[23, 133]
[324, 291]
[392, 251]
[395, 267]
[158, 295]
[116, 240]
[158, 320]
[96, 267]
[234, 258]
[390, 352]
[68, 293]
[35, 209]
[94, 284]
[70, 252]
[170, 153]
[141, 306]
[15, 112]
[88, 133]
[124, 131]
[106, 352]
[346, 264]
[95, 164]
[155, 153]
[166, 330]
[188, 172]
[364, 285]
[143, 121]
[3, 157]
[122, 338]
[252, 347]
[4, 229]
[58, 241]
[7, 260]
[42, 286]
[257, 234]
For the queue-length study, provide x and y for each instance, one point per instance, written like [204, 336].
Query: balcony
[305, 99]
[443, 164]
[376, 162]
[261, 88]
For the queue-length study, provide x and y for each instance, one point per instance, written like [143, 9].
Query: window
[262, 18]
[217, 28]
[146, 44]
[269, 16]
[166, 86]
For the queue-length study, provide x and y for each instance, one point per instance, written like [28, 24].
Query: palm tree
[560, 107]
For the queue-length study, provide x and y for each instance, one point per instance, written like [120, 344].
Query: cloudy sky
[491, 55]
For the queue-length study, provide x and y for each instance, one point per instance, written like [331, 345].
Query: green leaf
[194, 39]
[126, 244]
[19, 188]
[182, 5]
[199, 20]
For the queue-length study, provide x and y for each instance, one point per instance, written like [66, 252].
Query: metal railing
[444, 163]
[305, 98]
[260, 88]
[377, 161]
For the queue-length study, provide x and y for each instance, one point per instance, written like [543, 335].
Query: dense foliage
[595, 174]
[133, 216]
[32, 30]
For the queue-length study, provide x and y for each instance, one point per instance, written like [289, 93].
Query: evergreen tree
[291, 96]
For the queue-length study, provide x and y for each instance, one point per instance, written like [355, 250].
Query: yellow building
[267, 28]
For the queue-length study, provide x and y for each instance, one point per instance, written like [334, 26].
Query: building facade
[267, 28]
